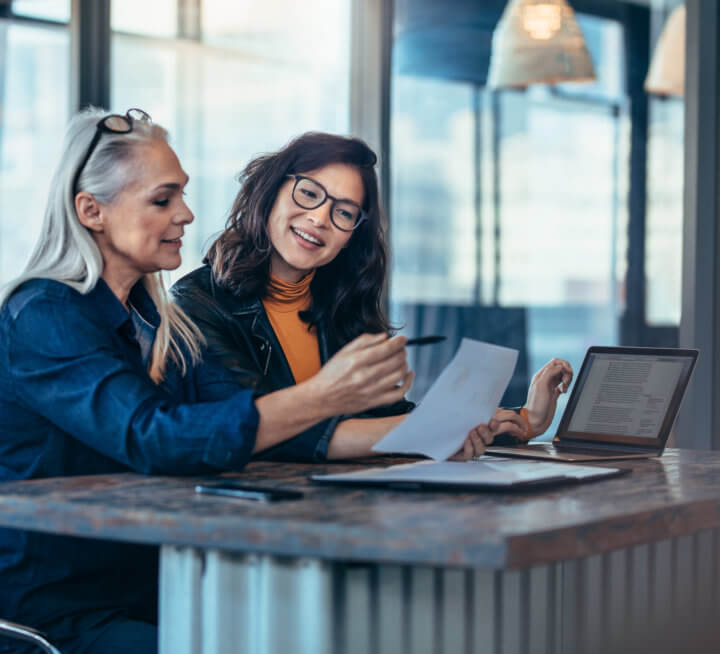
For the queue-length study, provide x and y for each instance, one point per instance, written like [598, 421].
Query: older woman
[99, 373]
[299, 272]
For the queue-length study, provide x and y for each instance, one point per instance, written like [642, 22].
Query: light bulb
[542, 21]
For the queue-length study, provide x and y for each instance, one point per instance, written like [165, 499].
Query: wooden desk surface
[676, 495]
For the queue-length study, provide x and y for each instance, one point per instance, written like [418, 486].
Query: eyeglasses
[346, 215]
[115, 124]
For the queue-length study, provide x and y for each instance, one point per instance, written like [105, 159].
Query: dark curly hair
[347, 291]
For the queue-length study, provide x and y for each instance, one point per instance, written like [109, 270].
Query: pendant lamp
[667, 67]
[538, 41]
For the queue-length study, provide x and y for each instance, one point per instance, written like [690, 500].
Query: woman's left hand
[547, 385]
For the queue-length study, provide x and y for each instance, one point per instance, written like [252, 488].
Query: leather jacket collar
[238, 331]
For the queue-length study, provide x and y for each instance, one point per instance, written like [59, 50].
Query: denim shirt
[76, 399]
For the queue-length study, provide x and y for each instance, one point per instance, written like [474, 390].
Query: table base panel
[662, 597]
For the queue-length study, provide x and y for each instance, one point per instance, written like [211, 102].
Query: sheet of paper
[465, 394]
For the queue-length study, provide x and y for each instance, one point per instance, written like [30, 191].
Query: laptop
[622, 406]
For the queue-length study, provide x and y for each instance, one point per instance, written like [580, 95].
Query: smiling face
[305, 239]
[140, 231]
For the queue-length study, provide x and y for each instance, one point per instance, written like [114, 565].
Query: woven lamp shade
[667, 67]
[538, 41]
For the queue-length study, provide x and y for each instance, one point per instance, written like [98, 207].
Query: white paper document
[466, 394]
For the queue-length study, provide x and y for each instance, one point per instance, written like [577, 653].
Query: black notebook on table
[483, 473]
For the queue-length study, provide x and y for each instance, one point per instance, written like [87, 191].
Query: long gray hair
[66, 251]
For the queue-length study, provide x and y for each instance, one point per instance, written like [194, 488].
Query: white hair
[67, 252]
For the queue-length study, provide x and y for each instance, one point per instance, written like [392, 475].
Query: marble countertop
[675, 495]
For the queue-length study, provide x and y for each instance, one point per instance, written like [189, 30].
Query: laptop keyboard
[594, 450]
[571, 449]
[585, 450]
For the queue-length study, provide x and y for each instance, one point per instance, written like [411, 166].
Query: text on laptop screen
[626, 394]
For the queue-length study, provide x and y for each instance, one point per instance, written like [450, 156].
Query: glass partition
[511, 209]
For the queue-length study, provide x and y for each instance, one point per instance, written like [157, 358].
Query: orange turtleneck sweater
[283, 303]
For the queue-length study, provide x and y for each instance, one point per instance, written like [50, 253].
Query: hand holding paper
[465, 394]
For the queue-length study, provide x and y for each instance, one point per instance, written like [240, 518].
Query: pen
[425, 340]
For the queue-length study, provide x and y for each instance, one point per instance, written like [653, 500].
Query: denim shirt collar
[112, 311]
[144, 305]
[140, 323]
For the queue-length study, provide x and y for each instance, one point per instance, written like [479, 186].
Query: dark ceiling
[449, 39]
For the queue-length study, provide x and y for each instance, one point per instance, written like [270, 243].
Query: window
[34, 99]
[664, 211]
[665, 192]
[156, 18]
[247, 78]
[510, 209]
[433, 191]
[56, 10]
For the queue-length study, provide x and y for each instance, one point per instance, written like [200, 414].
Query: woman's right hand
[504, 421]
[369, 371]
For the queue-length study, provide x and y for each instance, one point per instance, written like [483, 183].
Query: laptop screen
[627, 395]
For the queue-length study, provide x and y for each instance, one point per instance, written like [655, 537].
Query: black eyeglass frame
[362, 216]
[103, 125]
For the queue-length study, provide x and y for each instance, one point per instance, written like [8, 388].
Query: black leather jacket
[240, 337]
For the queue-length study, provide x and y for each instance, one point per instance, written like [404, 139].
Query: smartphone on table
[244, 491]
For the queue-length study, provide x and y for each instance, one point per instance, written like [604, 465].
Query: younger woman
[299, 272]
